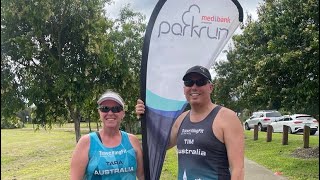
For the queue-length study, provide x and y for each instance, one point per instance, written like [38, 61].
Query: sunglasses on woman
[114, 109]
[199, 82]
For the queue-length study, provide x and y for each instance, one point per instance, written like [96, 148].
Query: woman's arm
[80, 158]
[137, 147]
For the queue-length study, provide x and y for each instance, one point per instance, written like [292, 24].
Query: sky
[146, 7]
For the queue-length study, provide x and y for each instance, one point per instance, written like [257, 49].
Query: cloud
[146, 7]
[143, 6]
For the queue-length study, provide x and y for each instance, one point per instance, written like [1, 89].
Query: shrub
[11, 123]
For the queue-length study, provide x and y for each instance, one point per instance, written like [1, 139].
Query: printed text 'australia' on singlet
[111, 163]
[200, 154]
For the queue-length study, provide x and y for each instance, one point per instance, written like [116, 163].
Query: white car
[262, 118]
[296, 123]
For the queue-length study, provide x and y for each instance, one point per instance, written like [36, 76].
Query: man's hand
[140, 108]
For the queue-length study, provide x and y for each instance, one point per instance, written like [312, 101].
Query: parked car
[262, 118]
[296, 123]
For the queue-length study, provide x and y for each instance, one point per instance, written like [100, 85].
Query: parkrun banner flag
[179, 35]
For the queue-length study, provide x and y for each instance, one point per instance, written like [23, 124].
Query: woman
[108, 153]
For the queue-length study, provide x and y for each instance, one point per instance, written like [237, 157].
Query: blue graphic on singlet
[111, 163]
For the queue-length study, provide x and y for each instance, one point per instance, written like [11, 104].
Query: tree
[122, 74]
[58, 48]
[11, 100]
[66, 53]
[276, 59]
[128, 39]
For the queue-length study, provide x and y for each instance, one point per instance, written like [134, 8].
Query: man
[209, 137]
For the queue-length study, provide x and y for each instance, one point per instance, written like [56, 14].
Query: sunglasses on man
[114, 109]
[199, 82]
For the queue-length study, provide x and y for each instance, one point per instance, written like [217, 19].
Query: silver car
[262, 118]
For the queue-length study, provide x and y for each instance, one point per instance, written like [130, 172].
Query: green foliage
[275, 61]
[61, 55]
[11, 123]
[11, 101]
[245, 114]
[127, 39]
[50, 45]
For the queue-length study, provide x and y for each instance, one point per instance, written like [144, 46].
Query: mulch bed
[306, 153]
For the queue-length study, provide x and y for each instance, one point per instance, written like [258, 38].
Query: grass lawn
[170, 165]
[26, 154]
[278, 157]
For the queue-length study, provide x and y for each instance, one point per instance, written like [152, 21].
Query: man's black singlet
[201, 155]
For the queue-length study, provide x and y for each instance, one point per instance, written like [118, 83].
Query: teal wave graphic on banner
[168, 114]
[157, 102]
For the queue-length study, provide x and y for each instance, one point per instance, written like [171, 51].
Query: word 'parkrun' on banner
[179, 35]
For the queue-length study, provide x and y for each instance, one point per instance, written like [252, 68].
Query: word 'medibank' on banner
[180, 34]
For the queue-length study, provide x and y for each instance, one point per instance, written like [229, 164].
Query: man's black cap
[199, 70]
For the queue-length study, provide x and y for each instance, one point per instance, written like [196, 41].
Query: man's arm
[175, 129]
[233, 136]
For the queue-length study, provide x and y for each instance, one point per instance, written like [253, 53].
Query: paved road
[254, 171]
